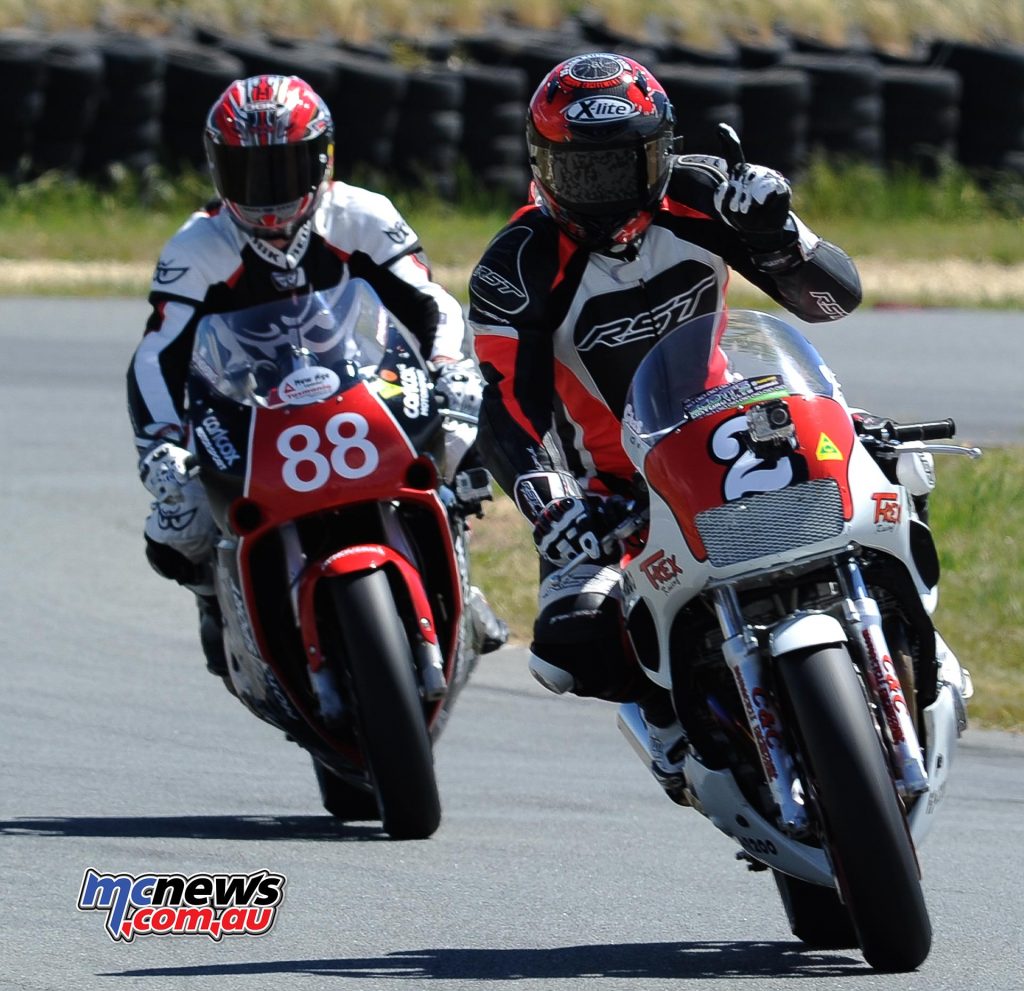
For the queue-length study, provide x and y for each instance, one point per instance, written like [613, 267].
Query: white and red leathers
[560, 329]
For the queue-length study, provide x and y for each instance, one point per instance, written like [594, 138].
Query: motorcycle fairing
[733, 470]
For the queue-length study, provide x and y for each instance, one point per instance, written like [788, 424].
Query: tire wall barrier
[85, 103]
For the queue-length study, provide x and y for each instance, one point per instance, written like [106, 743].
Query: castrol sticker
[309, 385]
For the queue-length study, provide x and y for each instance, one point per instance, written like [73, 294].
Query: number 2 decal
[352, 454]
[747, 473]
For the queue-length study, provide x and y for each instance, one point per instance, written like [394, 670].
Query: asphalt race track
[559, 864]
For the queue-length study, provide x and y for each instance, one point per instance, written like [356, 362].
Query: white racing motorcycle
[780, 586]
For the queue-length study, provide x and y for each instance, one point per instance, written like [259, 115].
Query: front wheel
[816, 915]
[389, 715]
[344, 801]
[866, 834]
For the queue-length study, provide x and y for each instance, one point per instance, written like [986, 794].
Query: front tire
[867, 838]
[344, 801]
[816, 915]
[389, 715]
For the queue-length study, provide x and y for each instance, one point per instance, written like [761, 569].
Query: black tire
[816, 915]
[196, 76]
[389, 714]
[922, 116]
[23, 70]
[774, 105]
[845, 112]
[703, 97]
[346, 802]
[867, 836]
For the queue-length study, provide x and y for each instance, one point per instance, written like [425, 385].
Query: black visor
[267, 175]
[602, 180]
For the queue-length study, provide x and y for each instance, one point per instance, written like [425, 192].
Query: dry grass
[888, 23]
[505, 565]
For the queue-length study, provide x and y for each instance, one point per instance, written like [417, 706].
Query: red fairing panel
[304, 459]
[700, 465]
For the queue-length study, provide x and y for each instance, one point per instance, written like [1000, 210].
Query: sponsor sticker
[735, 395]
[213, 905]
[887, 509]
[827, 450]
[661, 570]
[215, 439]
[309, 385]
[599, 110]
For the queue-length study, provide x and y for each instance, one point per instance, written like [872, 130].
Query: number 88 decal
[352, 456]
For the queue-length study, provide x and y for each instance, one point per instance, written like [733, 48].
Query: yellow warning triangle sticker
[827, 450]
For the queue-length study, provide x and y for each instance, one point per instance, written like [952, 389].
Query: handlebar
[930, 430]
[889, 432]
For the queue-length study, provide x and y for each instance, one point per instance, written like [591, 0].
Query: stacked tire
[922, 116]
[493, 141]
[991, 133]
[429, 135]
[196, 75]
[23, 71]
[126, 131]
[72, 94]
[774, 104]
[369, 94]
[845, 114]
[703, 97]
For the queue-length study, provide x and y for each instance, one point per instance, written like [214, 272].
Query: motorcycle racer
[281, 225]
[623, 241]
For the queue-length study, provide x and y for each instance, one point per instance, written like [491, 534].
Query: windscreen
[297, 350]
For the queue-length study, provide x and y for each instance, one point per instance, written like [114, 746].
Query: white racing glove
[460, 389]
[180, 517]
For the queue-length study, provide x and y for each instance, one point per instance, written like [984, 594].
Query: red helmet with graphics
[600, 132]
[270, 144]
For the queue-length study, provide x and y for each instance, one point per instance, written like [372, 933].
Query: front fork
[743, 655]
[864, 620]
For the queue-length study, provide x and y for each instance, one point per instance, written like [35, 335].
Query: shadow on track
[679, 961]
[226, 827]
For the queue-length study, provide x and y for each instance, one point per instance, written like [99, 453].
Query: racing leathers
[560, 329]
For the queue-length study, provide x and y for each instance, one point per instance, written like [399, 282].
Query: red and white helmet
[600, 133]
[270, 144]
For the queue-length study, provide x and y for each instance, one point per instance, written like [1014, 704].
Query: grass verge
[977, 516]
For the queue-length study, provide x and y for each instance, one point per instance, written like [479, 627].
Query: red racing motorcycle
[341, 570]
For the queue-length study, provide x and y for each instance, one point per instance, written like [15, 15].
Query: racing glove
[180, 517]
[755, 200]
[460, 389]
[574, 525]
[459, 386]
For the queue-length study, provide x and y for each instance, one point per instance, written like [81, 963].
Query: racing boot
[211, 635]
[667, 742]
[489, 632]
